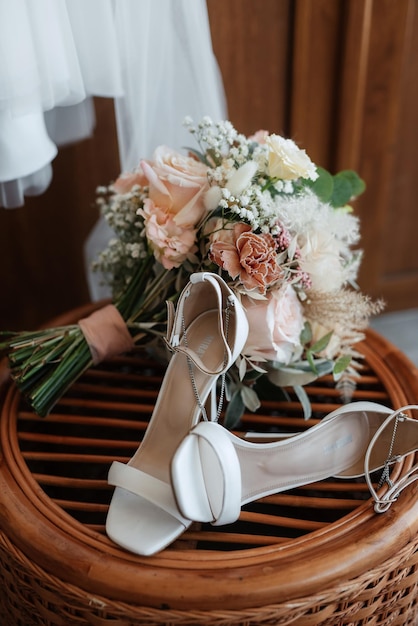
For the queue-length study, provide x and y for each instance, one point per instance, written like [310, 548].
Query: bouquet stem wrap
[106, 333]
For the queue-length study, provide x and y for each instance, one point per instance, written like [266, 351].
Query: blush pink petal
[191, 213]
[125, 182]
[158, 192]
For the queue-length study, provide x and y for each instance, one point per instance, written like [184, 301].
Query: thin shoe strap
[175, 324]
[383, 502]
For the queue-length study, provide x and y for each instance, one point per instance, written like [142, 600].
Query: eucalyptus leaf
[303, 366]
[323, 366]
[304, 400]
[306, 334]
[323, 186]
[250, 398]
[289, 377]
[357, 184]
[321, 344]
[235, 410]
[242, 369]
[342, 192]
[341, 364]
[311, 361]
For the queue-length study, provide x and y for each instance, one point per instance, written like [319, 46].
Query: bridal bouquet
[259, 212]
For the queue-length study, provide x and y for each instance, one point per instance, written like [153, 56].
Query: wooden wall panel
[315, 64]
[389, 161]
[252, 42]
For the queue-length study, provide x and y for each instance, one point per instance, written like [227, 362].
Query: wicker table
[316, 556]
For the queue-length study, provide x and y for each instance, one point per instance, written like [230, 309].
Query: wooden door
[338, 76]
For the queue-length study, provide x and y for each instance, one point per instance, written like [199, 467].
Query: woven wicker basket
[316, 556]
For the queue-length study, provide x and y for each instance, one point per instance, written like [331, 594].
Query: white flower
[287, 161]
[321, 259]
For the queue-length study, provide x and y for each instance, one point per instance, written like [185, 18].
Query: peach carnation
[246, 255]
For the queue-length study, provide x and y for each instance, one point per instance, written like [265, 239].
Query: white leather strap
[141, 484]
[175, 320]
[206, 475]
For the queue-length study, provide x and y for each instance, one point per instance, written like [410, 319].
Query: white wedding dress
[153, 56]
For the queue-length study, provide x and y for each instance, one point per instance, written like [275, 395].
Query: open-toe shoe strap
[383, 502]
[206, 475]
[175, 320]
[146, 486]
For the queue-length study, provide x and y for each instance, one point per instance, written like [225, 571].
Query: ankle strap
[176, 321]
[382, 502]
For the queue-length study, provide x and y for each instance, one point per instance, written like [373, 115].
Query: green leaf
[306, 334]
[304, 400]
[341, 364]
[322, 366]
[311, 361]
[289, 377]
[234, 411]
[321, 344]
[342, 192]
[323, 186]
[358, 185]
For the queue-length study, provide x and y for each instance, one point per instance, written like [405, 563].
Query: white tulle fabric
[54, 55]
[153, 56]
[169, 71]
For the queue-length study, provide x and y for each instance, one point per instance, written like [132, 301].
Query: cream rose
[275, 325]
[177, 185]
[288, 162]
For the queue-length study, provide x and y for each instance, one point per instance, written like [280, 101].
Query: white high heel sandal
[206, 335]
[214, 472]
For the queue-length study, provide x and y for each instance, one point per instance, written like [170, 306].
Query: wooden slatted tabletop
[54, 498]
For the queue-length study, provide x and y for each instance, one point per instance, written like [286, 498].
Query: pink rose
[170, 242]
[177, 185]
[244, 254]
[126, 181]
[275, 325]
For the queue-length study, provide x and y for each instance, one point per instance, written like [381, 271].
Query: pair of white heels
[192, 469]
